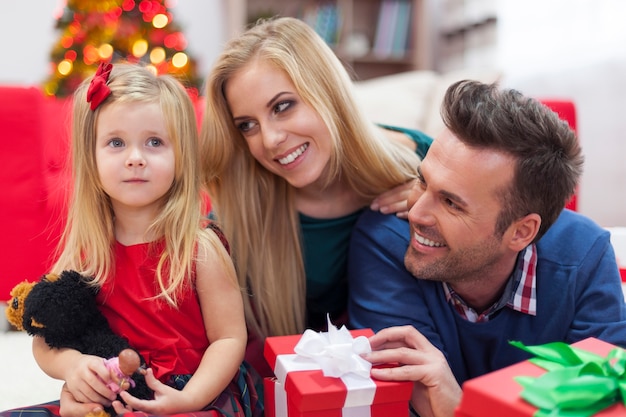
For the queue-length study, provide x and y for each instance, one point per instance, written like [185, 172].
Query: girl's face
[284, 134]
[134, 155]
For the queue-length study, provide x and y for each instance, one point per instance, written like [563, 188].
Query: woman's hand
[394, 200]
[436, 392]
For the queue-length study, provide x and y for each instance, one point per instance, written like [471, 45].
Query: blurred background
[571, 49]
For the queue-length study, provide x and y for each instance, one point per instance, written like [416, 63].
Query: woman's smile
[291, 157]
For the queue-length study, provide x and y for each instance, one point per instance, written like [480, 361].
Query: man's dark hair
[548, 156]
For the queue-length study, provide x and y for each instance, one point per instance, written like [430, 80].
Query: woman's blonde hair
[256, 207]
[88, 239]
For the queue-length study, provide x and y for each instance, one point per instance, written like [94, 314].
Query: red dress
[172, 341]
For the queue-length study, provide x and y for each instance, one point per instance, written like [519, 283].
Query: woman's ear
[523, 231]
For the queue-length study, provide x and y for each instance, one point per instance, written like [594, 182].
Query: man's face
[453, 211]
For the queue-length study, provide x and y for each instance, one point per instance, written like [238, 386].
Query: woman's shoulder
[421, 139]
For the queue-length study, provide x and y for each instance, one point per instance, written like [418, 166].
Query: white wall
[27, 32]
[576, 49]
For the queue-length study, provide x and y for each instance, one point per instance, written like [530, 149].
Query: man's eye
[452, 204]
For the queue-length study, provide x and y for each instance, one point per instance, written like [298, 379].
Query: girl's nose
[135, 158]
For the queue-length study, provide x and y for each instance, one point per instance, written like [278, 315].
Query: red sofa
[35, 182]
[34, 148]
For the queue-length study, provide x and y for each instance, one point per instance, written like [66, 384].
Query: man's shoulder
[376, 221]
[571, 234]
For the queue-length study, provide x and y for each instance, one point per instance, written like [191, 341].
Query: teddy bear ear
[15, 308]
[50, 277]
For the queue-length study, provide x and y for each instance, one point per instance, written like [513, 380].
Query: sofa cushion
[401, 99]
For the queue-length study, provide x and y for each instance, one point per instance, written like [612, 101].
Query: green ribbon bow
[577, 383]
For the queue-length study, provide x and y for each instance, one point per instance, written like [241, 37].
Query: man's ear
[522, 232]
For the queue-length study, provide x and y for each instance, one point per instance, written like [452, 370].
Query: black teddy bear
[62, 309]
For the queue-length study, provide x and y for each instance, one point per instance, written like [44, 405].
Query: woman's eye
[246, 126]
[282, 106]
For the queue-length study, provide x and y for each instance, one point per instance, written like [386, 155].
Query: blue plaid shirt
[520, 293]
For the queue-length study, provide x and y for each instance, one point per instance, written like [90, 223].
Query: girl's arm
[84, 375]
[223, 313]
[222, 310]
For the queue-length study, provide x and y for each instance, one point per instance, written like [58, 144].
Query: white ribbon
[337, 354]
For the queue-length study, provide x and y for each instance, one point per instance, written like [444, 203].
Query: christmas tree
[138, 31]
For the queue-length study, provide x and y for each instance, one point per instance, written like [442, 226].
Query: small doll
[121, 369]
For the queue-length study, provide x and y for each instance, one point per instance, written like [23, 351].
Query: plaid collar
[520, 293]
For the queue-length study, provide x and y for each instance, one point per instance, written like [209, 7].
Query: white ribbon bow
[336, 352]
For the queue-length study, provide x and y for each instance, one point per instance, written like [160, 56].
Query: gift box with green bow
[585, 379]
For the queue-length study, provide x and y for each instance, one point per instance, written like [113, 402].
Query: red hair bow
[98, 89]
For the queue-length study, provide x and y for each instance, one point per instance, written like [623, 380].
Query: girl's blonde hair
[255, 207]
[88, 238]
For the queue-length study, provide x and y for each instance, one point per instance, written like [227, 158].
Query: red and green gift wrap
[585, 379]
[300, 389]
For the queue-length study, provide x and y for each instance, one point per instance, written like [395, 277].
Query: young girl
[167, 282]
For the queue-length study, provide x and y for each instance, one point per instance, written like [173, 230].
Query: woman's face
[284, 134]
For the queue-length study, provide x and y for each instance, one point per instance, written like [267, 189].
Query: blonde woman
[291, 162]
[166, 281]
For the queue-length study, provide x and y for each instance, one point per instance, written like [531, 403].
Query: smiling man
[488, 255]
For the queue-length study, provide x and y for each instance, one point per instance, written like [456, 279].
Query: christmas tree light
[137, 31]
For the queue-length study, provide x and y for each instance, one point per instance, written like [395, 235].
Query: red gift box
[498, 394]
[306, 392]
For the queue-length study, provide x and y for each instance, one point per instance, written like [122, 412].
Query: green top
[325, 245]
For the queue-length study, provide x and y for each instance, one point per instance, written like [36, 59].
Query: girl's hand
[167, 400]
[69, 407]
[394, 200]
[86, 381]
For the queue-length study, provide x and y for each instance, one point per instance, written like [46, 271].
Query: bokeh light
[140, 47]
[160, 21]
[179, 59]
[65, 67]
[157, 55]
[105, 51]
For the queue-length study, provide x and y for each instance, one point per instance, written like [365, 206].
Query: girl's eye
[282, 106]
[154, 142]
[116, 143]
[246, 126]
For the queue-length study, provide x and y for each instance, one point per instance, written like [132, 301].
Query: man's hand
[436, 392]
